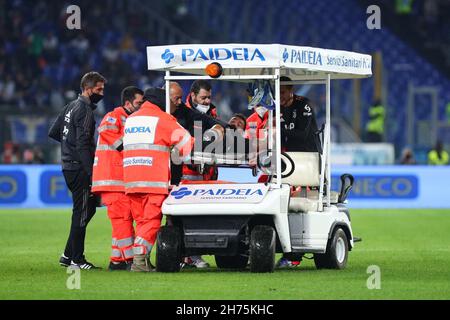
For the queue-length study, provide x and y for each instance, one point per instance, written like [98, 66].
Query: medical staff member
[107, 179]
[199, 99]
[257, 123]
[199, 110]
[150, 137]
[188, 118]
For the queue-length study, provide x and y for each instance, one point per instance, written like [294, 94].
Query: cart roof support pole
[270, 143]
[325, 172]
[167, 86]
[278, 126]
[328, 120]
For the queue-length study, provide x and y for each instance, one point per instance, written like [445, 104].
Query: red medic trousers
[119, 213]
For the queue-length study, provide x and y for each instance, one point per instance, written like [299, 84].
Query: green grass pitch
[411, 248]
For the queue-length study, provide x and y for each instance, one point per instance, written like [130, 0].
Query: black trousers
[84, 205]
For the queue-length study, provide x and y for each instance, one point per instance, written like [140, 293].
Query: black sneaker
[64, 261]
[119, 266]
[84, 265]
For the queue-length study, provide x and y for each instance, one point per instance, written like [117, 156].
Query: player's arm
[84, 123]
[55, 129]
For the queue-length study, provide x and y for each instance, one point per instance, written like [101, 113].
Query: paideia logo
[285, 55]
[167, 56]
[223, 192]
[207, 54]
[182, 192]
[138, 130]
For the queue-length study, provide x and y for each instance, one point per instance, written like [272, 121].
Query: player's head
[238, 121]
[92, 85]
[286, 92]
[132, 98]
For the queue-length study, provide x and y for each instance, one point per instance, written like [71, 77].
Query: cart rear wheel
[337, 252]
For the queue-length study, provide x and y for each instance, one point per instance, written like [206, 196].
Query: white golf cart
[247, 223]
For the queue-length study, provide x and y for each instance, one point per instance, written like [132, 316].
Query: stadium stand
[341, 24]
[41, 60]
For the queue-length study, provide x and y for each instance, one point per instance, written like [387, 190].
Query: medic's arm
[110, 132]
[180, 140]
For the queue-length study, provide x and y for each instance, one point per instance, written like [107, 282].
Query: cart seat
[299, 203]
[302, 169]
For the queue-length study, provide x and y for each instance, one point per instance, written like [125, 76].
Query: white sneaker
[195, 262]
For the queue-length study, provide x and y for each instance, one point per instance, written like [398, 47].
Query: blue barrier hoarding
[396, 186]
[384, 186]
[388, 187]
[13, 186]
[32, 186]
[41, 186]
[52, 188]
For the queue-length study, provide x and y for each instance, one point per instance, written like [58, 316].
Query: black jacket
[74, 129]
[190, 119]
[299, 130]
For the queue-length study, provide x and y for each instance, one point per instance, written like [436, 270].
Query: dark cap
[156, 96]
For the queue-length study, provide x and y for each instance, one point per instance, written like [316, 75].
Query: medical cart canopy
[298, 63]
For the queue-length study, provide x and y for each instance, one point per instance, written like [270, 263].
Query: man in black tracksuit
[298, 123]
[74, 129]
[299, 133]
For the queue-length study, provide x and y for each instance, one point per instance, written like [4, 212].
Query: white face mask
[261, 111]
[202, 108]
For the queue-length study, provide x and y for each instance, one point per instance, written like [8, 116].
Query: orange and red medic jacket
[255, 126]
[107, 173]
[149, 136]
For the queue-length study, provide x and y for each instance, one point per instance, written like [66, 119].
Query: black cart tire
[232, 262]
[336, 255]
[168, 249]
[262, 249]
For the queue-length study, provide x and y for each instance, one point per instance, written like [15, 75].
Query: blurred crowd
[429, 20]
[41, 60]
[14, 153]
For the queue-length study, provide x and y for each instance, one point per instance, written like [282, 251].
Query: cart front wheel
[168, 249]
[262, 249]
